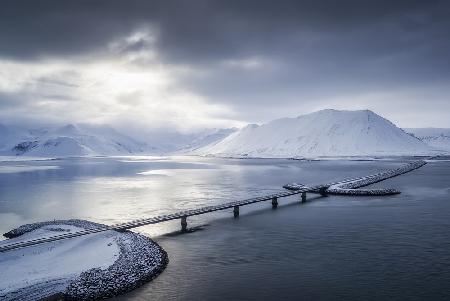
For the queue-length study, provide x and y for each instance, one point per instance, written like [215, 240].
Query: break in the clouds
[190, 64]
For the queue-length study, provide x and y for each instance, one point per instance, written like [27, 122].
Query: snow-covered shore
[94, 266]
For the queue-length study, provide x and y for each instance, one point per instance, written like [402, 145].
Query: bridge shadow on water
[254, 212]
[288, 205]
[179, 232]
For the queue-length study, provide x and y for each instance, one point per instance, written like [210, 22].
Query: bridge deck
[364, 181]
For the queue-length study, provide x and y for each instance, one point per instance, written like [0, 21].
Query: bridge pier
[274, 203]
[184, 223]
[236, 211]
[303, 197]
[323, 192]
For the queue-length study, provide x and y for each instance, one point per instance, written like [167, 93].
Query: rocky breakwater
[350, 187]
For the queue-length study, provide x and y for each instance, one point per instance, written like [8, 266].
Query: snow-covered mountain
[323, 133]
[69, 140]
[436, 138]
[93, 140]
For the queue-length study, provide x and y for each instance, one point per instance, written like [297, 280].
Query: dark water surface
[333, 248]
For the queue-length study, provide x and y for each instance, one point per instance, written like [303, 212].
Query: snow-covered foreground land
[92, 266]
[323, 133]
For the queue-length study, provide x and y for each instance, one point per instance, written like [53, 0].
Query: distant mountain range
[94, 140]
[437, 138]
[324, 133]
[69, 140]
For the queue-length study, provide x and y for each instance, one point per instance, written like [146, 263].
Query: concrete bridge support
[323, 191]
[274, 203]
[184, 224]
[236, 211]
[303, 197]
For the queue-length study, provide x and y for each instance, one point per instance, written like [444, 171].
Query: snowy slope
[172, 141]
[69, 140]
[323, 133]
[437, 138]
[207, 137]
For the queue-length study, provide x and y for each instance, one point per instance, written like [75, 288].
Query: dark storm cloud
[199, 30]
[306, 51]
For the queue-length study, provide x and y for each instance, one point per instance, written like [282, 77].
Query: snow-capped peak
[322, 133]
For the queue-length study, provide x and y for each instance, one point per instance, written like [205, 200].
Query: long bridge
[345, 187]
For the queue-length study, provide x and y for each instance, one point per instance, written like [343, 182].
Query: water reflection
[367, 248]
[112, 190]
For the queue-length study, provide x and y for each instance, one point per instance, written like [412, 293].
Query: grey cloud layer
[307, 51]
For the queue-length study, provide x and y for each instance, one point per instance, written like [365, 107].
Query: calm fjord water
[366, 248]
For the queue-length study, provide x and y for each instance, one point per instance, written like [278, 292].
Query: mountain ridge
[94, 140]
[436, 138]
[68, 140]
[323, 133]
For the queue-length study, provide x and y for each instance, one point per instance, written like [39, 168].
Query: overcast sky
[193, 64]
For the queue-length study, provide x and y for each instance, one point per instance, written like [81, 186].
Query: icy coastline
[92, 267]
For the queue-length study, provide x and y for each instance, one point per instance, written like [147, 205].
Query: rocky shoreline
[34, 226]
[140, 260]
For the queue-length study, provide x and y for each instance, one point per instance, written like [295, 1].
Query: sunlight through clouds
[132, 87]
[187, 65]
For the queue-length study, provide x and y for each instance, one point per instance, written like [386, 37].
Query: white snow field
[436, 138]
[54, 264]
[323, 133]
